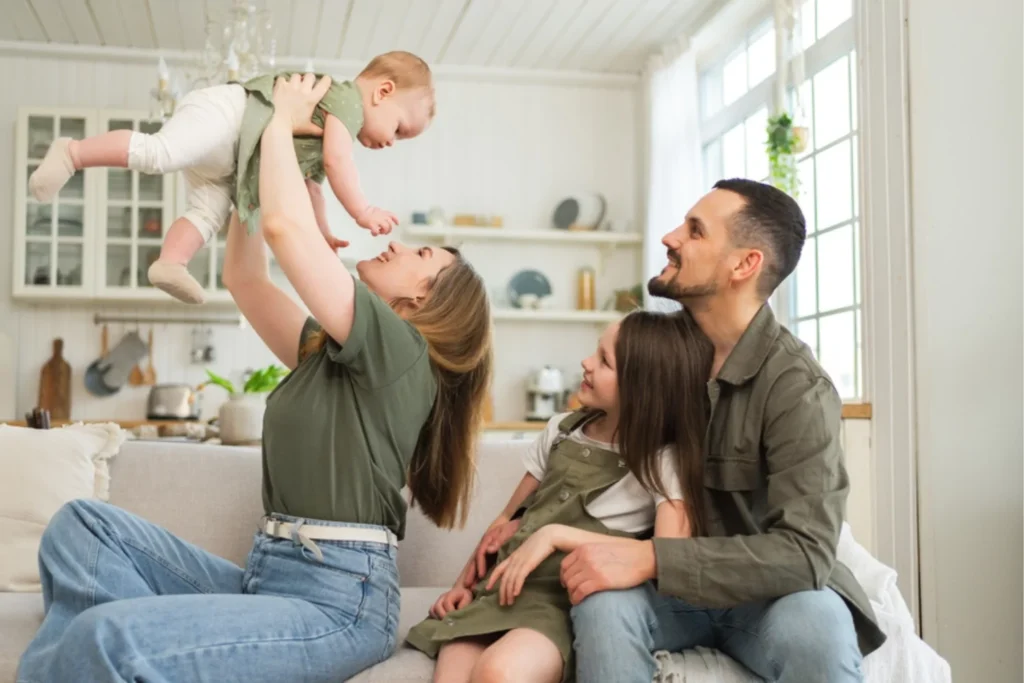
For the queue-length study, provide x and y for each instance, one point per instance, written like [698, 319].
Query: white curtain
[674, 163]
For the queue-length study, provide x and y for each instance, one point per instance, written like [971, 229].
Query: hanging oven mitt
[117, 365]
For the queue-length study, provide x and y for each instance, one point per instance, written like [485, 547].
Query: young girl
[214, 136]
[619, 467]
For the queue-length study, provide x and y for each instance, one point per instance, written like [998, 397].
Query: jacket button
[586, 452]
[449, 622]
[563, 496]
[622, 463]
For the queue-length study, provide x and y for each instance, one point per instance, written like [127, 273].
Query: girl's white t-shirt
[626, 505]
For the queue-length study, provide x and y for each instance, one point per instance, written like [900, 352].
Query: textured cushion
[41, 470]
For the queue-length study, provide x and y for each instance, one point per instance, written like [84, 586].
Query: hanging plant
[784, 143]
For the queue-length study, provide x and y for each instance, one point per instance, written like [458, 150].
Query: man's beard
[673, 290]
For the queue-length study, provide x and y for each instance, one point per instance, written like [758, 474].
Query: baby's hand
[377, 221]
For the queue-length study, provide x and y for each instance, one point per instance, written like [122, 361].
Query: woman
[388, 378]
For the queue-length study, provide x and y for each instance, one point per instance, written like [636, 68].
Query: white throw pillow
[41, 470]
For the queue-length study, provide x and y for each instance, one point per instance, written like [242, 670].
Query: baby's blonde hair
[406, 70]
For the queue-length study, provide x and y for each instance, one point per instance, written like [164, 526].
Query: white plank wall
[513, 149]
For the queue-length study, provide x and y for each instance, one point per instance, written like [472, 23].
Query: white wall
[966, 147]
[508, 148]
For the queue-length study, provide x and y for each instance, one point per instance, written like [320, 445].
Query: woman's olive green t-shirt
[340, 429]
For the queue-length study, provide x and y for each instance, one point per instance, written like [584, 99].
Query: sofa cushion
[20, 616]
[41, 470]
[406, 665]
[208, 495]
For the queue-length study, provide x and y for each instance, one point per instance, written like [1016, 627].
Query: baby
[214, 137]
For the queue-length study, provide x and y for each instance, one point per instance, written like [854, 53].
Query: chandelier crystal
[240, 44]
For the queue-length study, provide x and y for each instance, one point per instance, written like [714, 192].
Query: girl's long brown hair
[455, 321]
[663, 365]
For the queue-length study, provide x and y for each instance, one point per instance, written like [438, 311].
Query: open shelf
[451, 234]
[542, 315]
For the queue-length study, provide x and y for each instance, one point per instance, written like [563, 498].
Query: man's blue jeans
[800, 638]
[127, 601]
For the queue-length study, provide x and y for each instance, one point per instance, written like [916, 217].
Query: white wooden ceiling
[589, 35]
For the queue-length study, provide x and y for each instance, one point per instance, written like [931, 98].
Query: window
[821, 301]
[749, 65]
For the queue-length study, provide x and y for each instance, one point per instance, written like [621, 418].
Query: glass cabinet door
[55, 231]
[135, 216]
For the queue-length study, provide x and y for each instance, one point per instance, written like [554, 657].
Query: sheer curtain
[674, 168]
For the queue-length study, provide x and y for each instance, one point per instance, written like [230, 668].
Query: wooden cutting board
[55, 384]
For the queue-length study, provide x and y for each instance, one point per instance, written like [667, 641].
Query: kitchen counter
[130, 424]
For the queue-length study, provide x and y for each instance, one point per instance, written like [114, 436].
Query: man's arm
[806, 498]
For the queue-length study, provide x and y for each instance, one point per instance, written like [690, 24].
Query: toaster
[173, 402]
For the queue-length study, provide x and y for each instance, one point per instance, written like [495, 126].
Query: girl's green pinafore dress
[576, 474]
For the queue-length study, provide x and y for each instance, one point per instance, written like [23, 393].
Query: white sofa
[210, 495]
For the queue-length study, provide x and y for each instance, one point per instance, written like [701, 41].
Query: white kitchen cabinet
[53, 241]
[96, 240]
[133, 211]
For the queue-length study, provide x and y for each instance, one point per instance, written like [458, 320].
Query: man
[763, 585]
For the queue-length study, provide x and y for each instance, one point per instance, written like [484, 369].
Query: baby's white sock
[175, 279]
[54, 171]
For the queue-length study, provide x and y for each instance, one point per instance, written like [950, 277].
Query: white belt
[307, 533]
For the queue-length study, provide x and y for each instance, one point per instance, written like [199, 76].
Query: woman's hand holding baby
[295, 99]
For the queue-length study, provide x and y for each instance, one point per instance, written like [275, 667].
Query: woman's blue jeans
[126, 600]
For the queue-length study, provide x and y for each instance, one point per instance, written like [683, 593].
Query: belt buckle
[271, 525]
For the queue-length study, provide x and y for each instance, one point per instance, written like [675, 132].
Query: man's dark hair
[772, 222]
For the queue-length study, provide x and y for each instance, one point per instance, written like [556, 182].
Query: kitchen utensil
[110, 372]
[544, 394]
[37, 418]
[435, 216]
[173, 402]
[55, 384]
[94, 374]
[482, 220]
[583, 211]
[149, 376]
[528, 282]
[136, 378]
[198, 350]
[585, 293]
[209, 352]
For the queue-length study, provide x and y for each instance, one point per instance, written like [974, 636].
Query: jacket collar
[751, 351]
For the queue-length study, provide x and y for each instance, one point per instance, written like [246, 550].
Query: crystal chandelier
[240, 44]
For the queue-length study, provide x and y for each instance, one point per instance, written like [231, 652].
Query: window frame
[839, 42]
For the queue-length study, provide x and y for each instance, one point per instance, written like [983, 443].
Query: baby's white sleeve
[669, 473]
[536, 456]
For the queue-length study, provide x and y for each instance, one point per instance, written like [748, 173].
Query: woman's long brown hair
[663, 365]
[455, 321]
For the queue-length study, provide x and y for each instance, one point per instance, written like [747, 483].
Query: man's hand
[607, 566]
[523, 560]
[496, 535]
[377, 221]
[457, 598]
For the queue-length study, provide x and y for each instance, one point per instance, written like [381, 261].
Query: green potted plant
[241, 416]
[784, 142]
